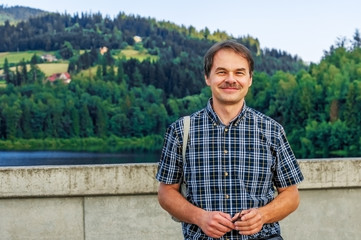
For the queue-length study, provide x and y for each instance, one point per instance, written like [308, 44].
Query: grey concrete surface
[41, 218]
[120, 202]
[131, 217]
[333, 214]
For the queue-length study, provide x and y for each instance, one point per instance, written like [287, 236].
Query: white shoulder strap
[186, 126]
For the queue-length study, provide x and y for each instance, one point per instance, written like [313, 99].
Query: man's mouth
[230, 86]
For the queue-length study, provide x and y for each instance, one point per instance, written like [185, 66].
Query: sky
[305, 28]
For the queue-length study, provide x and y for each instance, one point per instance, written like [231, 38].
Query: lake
[26, 158]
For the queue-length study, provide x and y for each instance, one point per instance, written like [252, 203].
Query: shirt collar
[217, 121]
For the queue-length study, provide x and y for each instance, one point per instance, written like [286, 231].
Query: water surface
[27, 158]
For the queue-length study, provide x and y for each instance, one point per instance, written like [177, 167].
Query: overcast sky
[301, 27]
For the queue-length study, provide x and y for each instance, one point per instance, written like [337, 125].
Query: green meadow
[16, 57]
[129, 52]
[51, 68]
[47, 68]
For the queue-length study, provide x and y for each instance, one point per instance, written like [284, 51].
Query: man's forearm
[175, 204]
[285, 203]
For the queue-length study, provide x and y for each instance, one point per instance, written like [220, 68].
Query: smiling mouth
[230, 86]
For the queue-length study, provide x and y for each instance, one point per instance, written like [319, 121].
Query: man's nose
[230, 77]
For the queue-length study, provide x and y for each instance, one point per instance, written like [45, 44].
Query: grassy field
[51, 68]
[2, 84]
[16, 57]
[47, 68]
[91, 72]
[130, 52]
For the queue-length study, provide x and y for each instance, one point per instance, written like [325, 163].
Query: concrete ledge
[131, 179]
[331, 173]
[50, 181]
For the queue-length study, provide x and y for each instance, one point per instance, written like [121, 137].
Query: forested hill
[86, 31]
[18, 13]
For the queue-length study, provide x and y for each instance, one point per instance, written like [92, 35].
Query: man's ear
[250, 82]
[207, 80]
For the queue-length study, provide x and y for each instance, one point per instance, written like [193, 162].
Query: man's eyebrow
[241, 69]
[220, 68]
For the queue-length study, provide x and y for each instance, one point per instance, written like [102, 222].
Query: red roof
[62, 76]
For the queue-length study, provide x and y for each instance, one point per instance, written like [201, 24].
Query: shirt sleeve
[170, 168]
[287, 172]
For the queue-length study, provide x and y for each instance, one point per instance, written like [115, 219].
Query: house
[49, 58]
[103, 50]
[137, 39]
[64, 77]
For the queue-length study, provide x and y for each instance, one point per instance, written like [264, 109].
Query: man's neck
[227, 112]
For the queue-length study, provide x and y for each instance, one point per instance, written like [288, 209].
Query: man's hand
[248, 222]
[253, 219]
[216, 224]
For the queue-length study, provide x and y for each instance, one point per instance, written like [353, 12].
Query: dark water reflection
[9, 158]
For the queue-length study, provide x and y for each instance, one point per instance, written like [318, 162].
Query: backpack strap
[186, 126]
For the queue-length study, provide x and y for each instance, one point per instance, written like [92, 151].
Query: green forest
[121, 103]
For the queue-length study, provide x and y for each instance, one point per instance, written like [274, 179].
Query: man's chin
[231, 102]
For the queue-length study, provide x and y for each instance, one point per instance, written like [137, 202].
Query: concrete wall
[120, 202]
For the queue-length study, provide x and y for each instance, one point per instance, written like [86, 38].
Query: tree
[86, 123]
[66, 50]
[35, 74]
[120, 72]
[356, 39]
[25, 121]
[12, 113]
[206, 33]
[8, 74]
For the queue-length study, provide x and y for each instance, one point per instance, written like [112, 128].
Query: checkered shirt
[229, 168]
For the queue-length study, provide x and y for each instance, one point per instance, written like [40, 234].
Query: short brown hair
[227, 44]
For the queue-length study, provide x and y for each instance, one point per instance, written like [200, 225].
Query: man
[235, 157]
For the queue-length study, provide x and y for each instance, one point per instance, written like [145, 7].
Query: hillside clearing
[16, 57]
[130, 52]
[47, 68]
[51, 68]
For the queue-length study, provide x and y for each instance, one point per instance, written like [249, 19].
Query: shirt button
[226, 174]
[227, 196]
[225, 151]
[226, 129]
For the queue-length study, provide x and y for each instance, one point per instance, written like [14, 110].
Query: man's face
[229, 78]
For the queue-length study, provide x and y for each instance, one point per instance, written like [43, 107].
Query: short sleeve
[170, 170]
[288, 172]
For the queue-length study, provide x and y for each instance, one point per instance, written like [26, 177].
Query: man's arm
[285, 203]
[213, 224]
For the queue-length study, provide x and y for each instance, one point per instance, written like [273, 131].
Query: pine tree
[7, 72]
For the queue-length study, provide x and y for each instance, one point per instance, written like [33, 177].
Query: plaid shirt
[229, 168]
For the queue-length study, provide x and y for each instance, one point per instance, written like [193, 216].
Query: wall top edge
[128, 179]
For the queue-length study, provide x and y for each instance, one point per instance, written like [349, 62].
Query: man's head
[228, 72]
[227, 44]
